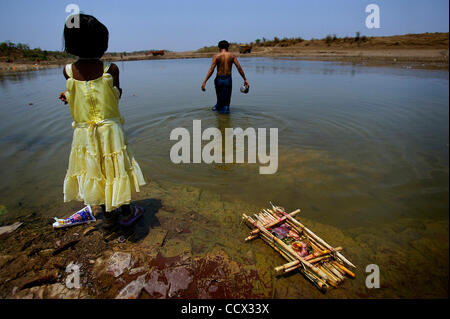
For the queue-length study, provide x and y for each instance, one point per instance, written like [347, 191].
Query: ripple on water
[348, 135]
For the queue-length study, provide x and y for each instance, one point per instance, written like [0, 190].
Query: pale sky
[191, 24]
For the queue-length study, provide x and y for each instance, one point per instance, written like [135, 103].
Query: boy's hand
[62, 97]
[203, 86]
[246, 84]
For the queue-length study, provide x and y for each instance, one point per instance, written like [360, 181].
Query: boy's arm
[210, 72]
[241, 72]
[114, 71]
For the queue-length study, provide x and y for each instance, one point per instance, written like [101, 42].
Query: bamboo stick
[269, 216]
[260, 219]
[266, 218]
[272, 243]
[330, 275]
[314, 246]
[320, 240]
[322, 285]
[315, 260]
[331, 279]
[277, 221]
[291, 268]
[287, 265]
[251, 237]
[337, 268]
[312, 261]
[307, 258]
[291, 251]
[343, 268]
[318, 254]
[333, 271]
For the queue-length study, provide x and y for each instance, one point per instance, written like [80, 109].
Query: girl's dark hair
[223, 45]
[90, 40]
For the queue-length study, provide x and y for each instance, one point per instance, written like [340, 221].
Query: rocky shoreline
[189, 244]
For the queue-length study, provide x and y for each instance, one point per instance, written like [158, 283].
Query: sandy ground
[409, 58]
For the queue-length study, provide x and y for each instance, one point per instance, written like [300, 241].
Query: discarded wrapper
[82, 216]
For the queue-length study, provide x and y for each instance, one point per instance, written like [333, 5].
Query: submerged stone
[179, 279]
[133, 289]
[6, 230]
[118, 262]
[155, 286]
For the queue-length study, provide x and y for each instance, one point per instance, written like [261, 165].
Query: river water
[359, 147]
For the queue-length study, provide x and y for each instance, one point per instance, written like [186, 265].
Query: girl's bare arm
[114, 71]
[62, 95]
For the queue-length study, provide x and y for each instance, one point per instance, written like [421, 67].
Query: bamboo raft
[322, 264]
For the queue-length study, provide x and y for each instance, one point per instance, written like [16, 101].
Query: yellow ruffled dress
[102, 169]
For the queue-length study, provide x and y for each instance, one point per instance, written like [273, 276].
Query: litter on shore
[82, 216]
[322, 264]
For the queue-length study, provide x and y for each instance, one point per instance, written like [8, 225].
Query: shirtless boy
[224, 61]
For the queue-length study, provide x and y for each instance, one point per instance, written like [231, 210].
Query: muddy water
[363, 151]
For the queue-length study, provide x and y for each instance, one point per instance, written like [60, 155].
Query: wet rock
[154, 286]
[25, 294]
[63, 247]
[120, 281]
[137, 270]
[99, 266]
[38, 292]
[217, 276]
[118, 262]
[133, 289]
[59, 291]
[35, 279]
[179, 279]
[6, 230]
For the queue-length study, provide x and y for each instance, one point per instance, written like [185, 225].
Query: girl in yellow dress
[102, 170]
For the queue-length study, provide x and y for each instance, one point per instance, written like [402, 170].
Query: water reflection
[355, 143]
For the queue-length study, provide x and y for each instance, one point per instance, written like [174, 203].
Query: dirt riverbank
[189, 244]
[421, 51]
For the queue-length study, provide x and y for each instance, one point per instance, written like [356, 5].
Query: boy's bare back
[224, 62]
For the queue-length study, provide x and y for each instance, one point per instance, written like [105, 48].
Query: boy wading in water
[102, 171]
[224, 62]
